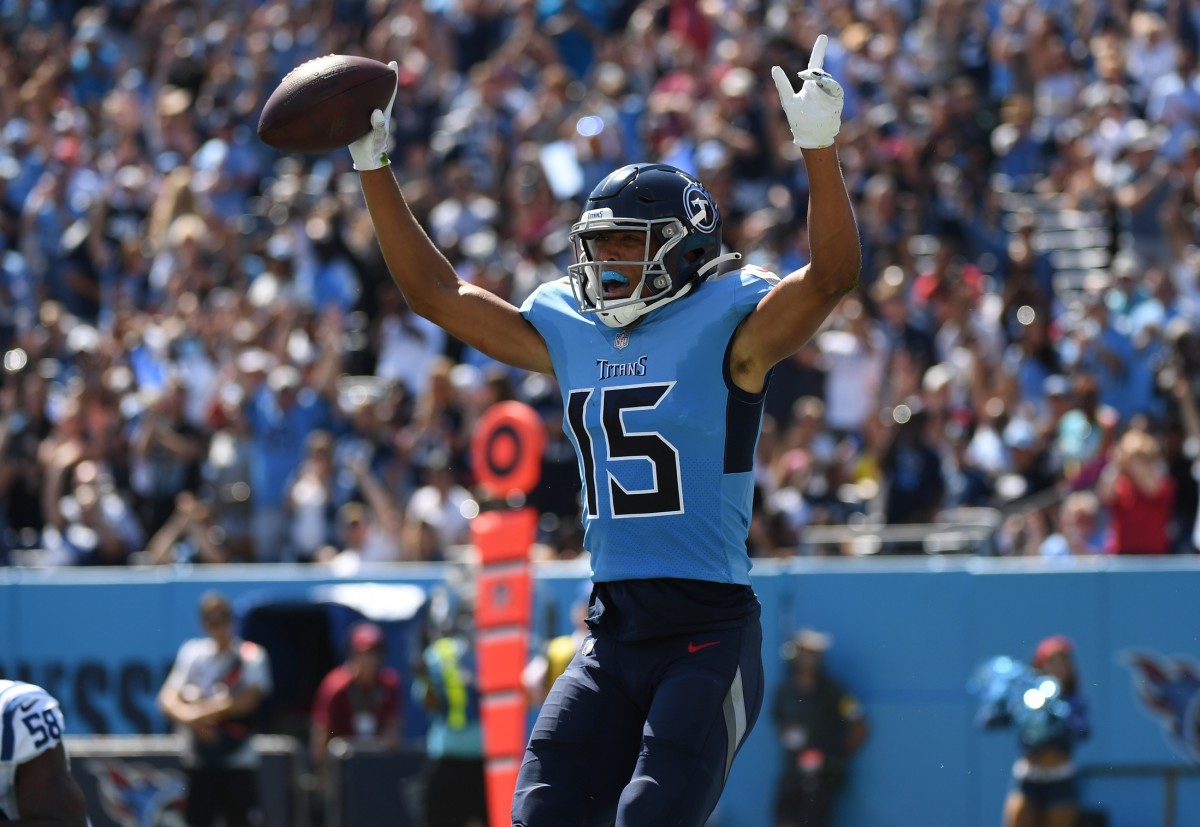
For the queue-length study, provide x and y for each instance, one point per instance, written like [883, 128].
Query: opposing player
[663, 365]
[36, 786]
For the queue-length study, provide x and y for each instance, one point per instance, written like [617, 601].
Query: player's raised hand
[370, 151]
[815, 113]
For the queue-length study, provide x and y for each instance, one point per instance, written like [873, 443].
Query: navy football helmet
[683, 239]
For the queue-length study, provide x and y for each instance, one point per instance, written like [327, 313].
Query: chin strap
[625, 316]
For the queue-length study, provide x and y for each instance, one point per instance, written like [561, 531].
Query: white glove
[815, 115]
[370, 151]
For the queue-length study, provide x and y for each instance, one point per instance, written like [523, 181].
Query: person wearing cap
[1045, 785]
[359, 699]
[820, 725]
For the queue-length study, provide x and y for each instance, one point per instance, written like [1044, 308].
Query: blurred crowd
[206, 361]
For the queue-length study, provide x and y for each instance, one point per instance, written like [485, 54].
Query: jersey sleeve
[540, 306]
[32, 724]
[257, 666]
[180, 672]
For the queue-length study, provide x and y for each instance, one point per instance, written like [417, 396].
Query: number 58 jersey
[31, 723]
[664, 438]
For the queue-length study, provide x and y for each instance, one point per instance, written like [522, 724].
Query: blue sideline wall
[908, 633]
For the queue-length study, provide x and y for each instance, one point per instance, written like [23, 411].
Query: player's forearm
[472, 314]
[417, 266]
[832, 230]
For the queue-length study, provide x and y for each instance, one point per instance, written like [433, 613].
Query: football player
[663, 364]
[36, 786]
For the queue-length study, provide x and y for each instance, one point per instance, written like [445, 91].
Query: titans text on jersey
[608, 369]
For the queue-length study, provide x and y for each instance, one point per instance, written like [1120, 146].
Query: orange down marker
[506, 453]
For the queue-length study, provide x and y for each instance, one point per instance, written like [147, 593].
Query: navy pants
[641, 733]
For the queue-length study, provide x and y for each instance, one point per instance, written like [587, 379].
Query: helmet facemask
[588, 274]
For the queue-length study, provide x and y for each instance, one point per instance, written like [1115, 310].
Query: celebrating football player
[663, 362]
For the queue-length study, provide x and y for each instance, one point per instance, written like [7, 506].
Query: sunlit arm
[796, 307]
[434, 290]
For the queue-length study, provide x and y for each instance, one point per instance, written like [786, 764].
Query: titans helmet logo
[700, 209]
[1169, 689]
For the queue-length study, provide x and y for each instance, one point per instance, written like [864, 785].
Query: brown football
[325, 103]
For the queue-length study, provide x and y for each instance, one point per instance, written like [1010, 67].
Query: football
[325, 103]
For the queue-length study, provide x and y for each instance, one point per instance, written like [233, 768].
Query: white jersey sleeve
[31, 723]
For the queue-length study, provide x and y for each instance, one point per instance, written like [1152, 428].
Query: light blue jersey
[665, 440]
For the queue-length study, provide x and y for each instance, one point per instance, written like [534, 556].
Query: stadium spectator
[88, 522]
[189, 535]
[439, 514]
[447, 687]
[165, 452]
[359, 700]
[371, 530]
[1080, 529]
[1139, 496]
[137, 206]
[820, 725]
[225, 471]
[214, 690]
[284, 412]
[309, 499]
[912, 468]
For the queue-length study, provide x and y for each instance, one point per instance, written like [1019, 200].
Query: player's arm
[429, 283]
[47, 794]
[796, 307]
